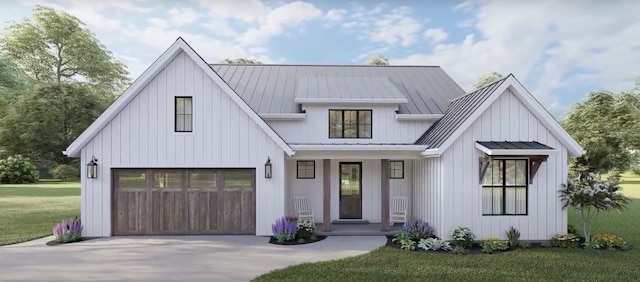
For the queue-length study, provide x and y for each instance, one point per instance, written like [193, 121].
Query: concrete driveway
[169, 258]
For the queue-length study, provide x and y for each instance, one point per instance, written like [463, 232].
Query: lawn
[388, 264]
[29, 211]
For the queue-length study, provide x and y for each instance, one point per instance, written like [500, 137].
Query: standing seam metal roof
[517, 145]
[458, 112]
[271, 89]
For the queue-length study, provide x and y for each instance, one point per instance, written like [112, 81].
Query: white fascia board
[349, 101]
[347, 147]
[515, 152]
[431, 153]
[433, 117]
[283, 116]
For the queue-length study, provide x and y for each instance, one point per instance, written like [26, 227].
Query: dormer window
[349, 123]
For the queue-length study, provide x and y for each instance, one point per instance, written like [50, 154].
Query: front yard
[390, 264]
[29, 211]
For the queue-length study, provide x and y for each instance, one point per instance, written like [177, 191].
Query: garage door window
[202, 179]
[167, 179]
[132, 178]
[237, 179]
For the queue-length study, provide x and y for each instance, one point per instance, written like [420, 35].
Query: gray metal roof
[272, 88]
[457, 113]
[348, 87]
[519, 145]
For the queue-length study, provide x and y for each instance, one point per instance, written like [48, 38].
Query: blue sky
[560, 50]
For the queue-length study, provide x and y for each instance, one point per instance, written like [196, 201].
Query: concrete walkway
[169, 258]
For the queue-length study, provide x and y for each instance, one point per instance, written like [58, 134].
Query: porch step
[350, 221]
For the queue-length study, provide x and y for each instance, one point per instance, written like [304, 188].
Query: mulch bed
[474, 250]
[54, 243]
[275, 242]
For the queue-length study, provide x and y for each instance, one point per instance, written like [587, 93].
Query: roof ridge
[483, 87]
[327, 65]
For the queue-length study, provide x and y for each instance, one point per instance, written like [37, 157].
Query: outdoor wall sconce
[267, 168]
[92, 168]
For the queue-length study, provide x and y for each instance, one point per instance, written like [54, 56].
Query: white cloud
[244, 10]
[552, 45]
[395, 27]
[277, 20]
[436, 35]
[183, 16]
[335, 15]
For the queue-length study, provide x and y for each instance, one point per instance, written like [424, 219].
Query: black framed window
[349, 123]
[505, 187]
[184, 114]
[396, 169]
[306, 169]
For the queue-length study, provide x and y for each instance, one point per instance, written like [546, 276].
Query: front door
[351, 190]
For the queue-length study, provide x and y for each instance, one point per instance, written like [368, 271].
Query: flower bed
[288, 230]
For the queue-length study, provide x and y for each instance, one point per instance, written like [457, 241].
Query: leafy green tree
[44, 121]
[588, 196]
[487, 79]
[607, 127]
[377, 59]
[240, 61]
[57, 47]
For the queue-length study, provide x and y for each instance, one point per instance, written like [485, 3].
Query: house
[193, 148]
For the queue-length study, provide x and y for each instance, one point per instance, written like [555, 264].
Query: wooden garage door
[183, 201]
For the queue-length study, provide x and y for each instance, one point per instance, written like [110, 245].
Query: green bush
[493, 244]
[66, 172]
[17, 170]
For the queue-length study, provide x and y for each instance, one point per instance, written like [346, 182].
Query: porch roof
[357, 147]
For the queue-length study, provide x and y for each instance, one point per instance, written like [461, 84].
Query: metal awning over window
[534, 151]
[509, 148]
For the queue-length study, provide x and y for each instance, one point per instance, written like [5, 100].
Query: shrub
[607, 241]
[572, 229]
[434, 244]
[418, 229]
[68, 231]
[513, 235]
[405, 241]
[589, 196]
[284, 229]
[17, 170]
[65, 172]
[564, 240]
[463, 237]
[306, 229]
[494, 244]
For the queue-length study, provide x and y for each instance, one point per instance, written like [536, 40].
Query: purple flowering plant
[68, 231]
[285, 229]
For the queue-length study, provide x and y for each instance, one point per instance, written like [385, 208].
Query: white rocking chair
[398, 210]
[303, 209]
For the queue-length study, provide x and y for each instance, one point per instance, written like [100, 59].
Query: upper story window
[349, 123]
[184, 114]
[504, 187]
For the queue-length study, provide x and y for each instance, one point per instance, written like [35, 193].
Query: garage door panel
[184, 201]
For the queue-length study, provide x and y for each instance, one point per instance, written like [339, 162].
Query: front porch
[344, 193]
[354, 229]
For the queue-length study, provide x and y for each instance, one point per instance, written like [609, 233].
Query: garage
[183, 201]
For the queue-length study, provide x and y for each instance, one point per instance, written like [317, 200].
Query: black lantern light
[92, 168]
[267, 168]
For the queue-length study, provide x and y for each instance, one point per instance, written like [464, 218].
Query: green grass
[389, 264]
[29, 211]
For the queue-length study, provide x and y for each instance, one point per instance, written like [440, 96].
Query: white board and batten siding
[142, 136]
[427, 193]
[506, 119]
[371, 190]
[314, 128]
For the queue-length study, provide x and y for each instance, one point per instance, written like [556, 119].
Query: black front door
[351, 190]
